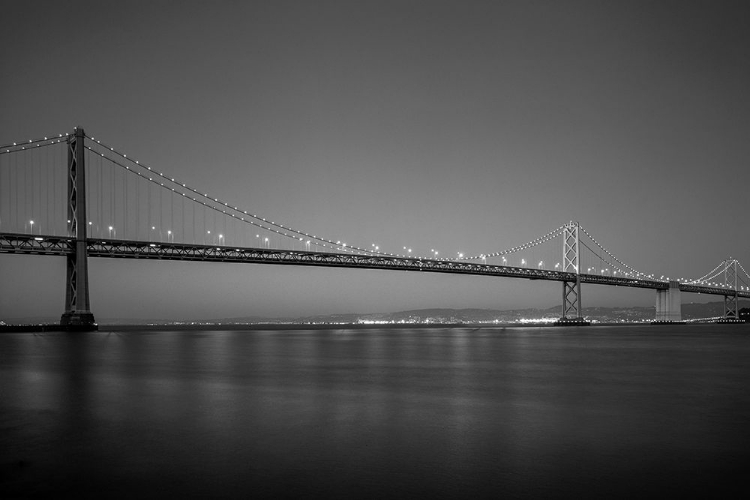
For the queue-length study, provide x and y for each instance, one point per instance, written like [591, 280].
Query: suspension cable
[638, 273]
[538, 241]
[243, 214]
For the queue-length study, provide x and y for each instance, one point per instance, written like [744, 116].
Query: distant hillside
[436, 315]
[445, 315]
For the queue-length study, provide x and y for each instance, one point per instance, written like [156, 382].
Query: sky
[465, 126]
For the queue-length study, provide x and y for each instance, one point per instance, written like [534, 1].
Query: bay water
[518, 412]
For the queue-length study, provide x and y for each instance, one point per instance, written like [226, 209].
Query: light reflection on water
[597, 411]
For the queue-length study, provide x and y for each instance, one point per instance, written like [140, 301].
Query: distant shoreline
[256, 326]
[295, 326]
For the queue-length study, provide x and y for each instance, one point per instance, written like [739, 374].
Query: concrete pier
[669, 304]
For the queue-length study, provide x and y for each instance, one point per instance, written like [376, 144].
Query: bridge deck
[56, 245]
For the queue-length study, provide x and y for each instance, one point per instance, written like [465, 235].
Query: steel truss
[36, 245]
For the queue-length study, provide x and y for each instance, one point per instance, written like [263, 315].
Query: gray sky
[461, 126]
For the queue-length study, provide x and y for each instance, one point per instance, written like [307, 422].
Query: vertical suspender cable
[29, 166]
[7, 187]
[47, 179]
[53, 164]
[24, 197]
[148, 211]
[17, 191]
[2, 185]
[58, 207]
[102, 219]
[22, 175]
[127, 205]
[53, 191]
[113, 182]
[100, 182]
[2, 197]
[137, 206]
[32, 188]
[41, 187]
[87, 226]
[112, 214]
[11, 191]
[12, 169]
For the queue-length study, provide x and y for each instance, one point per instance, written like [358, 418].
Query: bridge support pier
[77, 315]
[669, 305]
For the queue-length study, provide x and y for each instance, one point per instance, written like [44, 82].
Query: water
[520, 412]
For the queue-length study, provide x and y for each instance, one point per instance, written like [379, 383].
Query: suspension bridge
[71, 195]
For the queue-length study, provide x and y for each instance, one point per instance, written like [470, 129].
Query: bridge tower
[731, 311]
[571, 305]
[77, 315]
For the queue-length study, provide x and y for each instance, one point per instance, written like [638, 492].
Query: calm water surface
[518, 412]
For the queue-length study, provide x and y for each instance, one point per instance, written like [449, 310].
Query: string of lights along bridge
[75, 196]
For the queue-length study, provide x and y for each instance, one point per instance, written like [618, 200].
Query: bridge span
[111, 248]
[149, 209]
